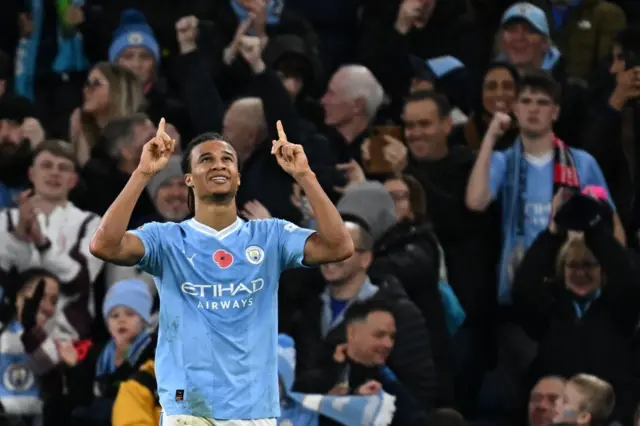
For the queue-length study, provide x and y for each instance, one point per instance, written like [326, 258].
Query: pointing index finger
[281, 134]
[160, 130]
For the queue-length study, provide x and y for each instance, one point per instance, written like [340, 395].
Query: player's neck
[216, 216]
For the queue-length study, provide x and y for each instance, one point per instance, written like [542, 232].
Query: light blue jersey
[217, 342]
[538, 196]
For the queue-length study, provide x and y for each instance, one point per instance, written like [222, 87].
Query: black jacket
[600, 341]
[409, 252]
[411, 358]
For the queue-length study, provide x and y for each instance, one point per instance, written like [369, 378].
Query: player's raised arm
[111, 241]
[332, 242]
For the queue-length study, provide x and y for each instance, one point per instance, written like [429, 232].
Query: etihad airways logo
[219, 296]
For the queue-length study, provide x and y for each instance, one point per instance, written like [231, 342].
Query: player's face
[214, 171]
[124, 324]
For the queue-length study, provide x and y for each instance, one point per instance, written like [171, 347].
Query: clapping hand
[157, 152]
[290, 156]
[251, 49]
[230, 52]
[395, 153]
[28, 229]
[353, 174]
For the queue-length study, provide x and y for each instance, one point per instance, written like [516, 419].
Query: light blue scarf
[106, 361]
[70, 57]
[303, 409]
[514, 245]
[454, 313]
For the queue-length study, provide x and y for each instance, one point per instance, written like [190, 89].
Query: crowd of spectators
[484, 154]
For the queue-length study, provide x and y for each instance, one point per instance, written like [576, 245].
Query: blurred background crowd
[483, 153]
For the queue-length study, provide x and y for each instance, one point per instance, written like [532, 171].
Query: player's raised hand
[157, 152]
[290, 156]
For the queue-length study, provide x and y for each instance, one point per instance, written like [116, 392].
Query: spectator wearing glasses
[576, 292]
[110, 91]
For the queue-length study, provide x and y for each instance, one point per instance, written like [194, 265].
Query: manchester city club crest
[18, 378]
[254, 255]
[135, 38]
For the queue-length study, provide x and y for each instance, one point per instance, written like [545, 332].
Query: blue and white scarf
[274, 11]
[70, 57]
[513, 200]
[303, 409]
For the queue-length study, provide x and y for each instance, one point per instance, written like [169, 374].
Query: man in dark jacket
[613, 136]
[360, 364]
[322, 327]
[411, 256]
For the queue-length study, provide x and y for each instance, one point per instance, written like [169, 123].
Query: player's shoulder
[266, 224]
[268, 228]
[162, 229]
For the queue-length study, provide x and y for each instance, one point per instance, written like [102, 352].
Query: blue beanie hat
[133, 31]
[131, 293]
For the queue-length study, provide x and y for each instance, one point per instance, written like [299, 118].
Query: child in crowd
[587, 401]
[127, 312]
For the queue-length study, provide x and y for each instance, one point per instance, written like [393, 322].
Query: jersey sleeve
[151, 236]
[497, 172]
[291, 241]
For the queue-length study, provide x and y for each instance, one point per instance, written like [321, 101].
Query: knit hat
[370, 205]
[133, 31]
[131, 293]
[170, 171]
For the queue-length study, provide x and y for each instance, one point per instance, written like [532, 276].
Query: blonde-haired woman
[110, 91]
[578, 296]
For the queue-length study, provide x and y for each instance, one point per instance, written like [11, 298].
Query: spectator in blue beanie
[134, 46]
[127, 312]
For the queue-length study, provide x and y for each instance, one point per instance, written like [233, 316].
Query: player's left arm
[332, 242]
